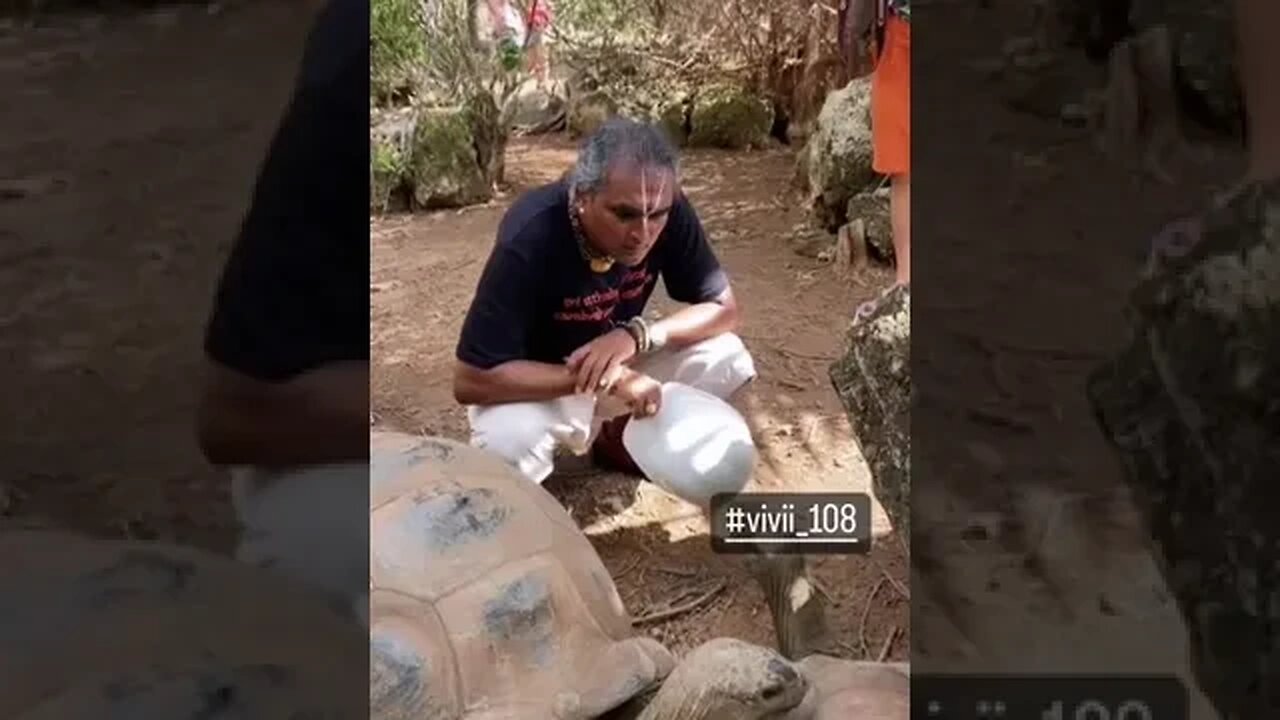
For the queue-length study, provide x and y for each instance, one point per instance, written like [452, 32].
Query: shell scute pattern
[483, 588]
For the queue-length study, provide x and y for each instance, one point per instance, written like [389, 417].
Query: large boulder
[390, 153]
[673, 116]
[839, 153]
[872, 208]
[873, 382]
[489, 133]
[444, 166]
[1189, 404]
[533, 110]
[589, 110]
[432, 157]
[725, 116]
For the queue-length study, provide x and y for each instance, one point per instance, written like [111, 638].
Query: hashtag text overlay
[787, 523]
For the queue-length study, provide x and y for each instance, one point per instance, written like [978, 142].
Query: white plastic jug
[697, 445]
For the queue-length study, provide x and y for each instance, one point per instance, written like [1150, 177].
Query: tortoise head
[729, 678]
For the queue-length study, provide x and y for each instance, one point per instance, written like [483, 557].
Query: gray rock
[1190, 406]
[589, 110]
[532, 110]
[445, 169]
[728, 117]
[872, 208]
[390, 150]
[674, 116]
[431, 157]
[873, 382]
[840, 153]
[489, 132]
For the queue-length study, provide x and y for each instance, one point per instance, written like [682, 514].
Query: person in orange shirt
[891, 125]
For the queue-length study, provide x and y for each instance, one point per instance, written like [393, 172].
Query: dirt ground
[128, 150]
[424, 271]
[1028, 241]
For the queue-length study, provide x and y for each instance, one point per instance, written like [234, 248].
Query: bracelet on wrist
[639, 331]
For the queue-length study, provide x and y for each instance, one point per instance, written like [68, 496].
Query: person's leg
[1256, 53]
[308, 524]
[891, 135]
[721, 366]
[900, 222]
[527, 434]
[1256, 22]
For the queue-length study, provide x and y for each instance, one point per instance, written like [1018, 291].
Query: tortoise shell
[486, 599]
[95, 628]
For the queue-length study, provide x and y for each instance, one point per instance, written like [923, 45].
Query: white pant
[527, 434]
[310, 524]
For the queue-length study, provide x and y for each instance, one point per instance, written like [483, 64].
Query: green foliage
[437, 52]
[389, 171]
[730, 117]
[444, 165]
[397, 48]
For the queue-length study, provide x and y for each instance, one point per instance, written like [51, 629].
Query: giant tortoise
[94, 629]
[487, 601]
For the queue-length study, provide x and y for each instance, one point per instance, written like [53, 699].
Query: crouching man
[554, 352]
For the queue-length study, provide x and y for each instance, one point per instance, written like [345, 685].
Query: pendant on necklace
[601, 265]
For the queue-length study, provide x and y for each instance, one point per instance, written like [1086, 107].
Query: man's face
[626, 216]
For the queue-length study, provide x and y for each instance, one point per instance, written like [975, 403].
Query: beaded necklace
[599, 262]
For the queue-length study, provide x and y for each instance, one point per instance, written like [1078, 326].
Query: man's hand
[596, 363]
[640, 392]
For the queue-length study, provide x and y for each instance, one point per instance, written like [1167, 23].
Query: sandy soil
[424, 270]
[128, 149]
[1028, 241]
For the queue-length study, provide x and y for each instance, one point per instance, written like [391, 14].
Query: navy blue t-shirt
[538, 299]
[294, 294]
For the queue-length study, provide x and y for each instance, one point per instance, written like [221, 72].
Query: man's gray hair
[621, 141]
